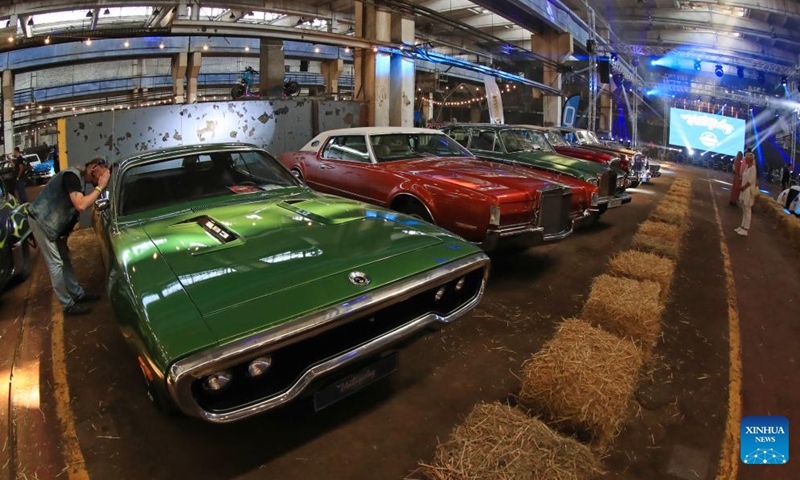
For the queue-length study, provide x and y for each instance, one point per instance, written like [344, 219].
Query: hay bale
[682, 182]
[582, 380]
[500, 442]
[627, 308]
[643, 266]
[661, 229]
[660, 238]
[672, 213]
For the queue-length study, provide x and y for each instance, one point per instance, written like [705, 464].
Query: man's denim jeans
[56, 255]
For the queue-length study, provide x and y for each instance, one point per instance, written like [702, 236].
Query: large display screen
[706, 131]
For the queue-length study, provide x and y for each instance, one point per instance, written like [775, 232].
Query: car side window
[484, 140]
[352, 148]
[460, 135]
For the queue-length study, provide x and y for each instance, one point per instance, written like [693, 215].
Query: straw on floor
[640, 266]
[500, 442]
[628, 308]
[659, 238]
[582, 380]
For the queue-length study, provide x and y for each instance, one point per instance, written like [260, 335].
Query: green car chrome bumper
[186, 372]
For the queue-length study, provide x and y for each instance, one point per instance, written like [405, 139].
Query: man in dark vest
[53, 215]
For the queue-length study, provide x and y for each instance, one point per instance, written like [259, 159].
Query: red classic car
[427, 174]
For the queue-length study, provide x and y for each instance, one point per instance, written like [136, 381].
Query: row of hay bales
[576, 390]
[787, 223]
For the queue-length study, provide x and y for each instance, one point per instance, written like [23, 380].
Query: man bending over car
[53, 215]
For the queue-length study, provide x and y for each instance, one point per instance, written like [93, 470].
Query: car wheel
[27, 266]
[238, 91]
[418, 211]
[157, 396]
[298, 175]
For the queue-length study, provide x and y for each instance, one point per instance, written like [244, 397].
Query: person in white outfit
[746, 194]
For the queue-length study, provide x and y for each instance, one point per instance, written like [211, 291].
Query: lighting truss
[712, 58]
[718, 92]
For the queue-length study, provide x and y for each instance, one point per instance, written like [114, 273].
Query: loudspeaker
[590, 45]
[604, 69]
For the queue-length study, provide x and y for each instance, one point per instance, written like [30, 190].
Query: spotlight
[718, 70]
[30, 22]
[232, 16]
[614, 56]
[635, 62]
[740, 72]
[89, 14]
[784, 80]
[106, 12]
[697, 65]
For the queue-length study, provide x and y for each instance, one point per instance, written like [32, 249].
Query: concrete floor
[383, 431]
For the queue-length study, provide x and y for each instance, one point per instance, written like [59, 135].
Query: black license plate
[355, 382]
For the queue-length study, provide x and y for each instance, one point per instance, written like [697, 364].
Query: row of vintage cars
[241, 289]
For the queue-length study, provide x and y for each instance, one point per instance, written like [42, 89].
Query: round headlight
[439, 293]
[594, 181]
[460, 284]
[259, 366]
[217, 381]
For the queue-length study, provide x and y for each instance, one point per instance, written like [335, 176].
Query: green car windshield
[404, 146]
[176, 180]
[524, 141]
[556, 139]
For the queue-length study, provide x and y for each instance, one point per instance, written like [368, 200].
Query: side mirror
[102, 204]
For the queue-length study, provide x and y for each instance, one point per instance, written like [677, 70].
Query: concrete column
[8, 109]
[192, 70]
[372, 69]
[179, 64]
[401, 72]
[606, 110]
[556, 47]
[271, 61]
[331, 70]
[427, 109]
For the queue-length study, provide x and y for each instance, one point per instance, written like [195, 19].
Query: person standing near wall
[738, 163]
[749, 187]
[20, 172]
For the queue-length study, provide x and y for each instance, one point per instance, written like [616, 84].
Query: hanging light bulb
[346, 49]
[47, 41]
[246, 48]
[161, 45]
[127, 44]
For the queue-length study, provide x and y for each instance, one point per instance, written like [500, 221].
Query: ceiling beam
[486, 20]
[32, 7]
[781, 7]
[707, 41]
[707, 20]
[447, 5]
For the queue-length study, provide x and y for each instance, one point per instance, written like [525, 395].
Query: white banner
[494, 100]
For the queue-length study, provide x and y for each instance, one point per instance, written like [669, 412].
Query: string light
[454, 103]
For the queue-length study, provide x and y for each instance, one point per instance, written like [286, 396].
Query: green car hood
[573, 167]
[248, 265]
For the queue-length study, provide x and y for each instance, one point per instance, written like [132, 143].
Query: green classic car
[240, 289]
[519, 145]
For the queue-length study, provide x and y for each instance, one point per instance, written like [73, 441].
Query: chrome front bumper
[183, 373]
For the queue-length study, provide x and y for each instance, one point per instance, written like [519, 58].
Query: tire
[296, 173]
[237, 92]
[418, 211]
